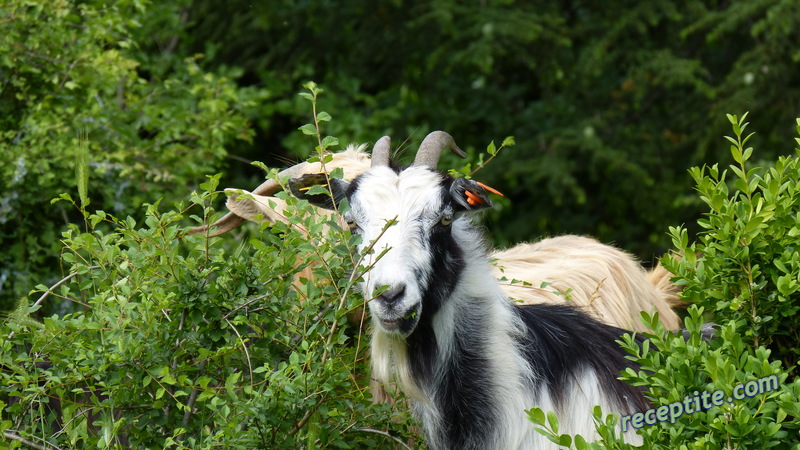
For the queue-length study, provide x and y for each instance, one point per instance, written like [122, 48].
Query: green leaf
[230, 383]
[537, 416]
[736, 153]
[491, 149]
[509, 142]
[552, 421]
[82, 168]
[329, 141]
[308, 129]
[337, 173]
[580, 443]
[212, 183]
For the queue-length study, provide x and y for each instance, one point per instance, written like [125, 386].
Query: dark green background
[610, 103]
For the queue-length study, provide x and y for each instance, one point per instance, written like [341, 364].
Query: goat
[610, 284]
[470, 360]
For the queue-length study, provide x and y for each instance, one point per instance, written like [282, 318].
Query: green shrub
[179, 342]
[743, 270]
[72, 68]
[745, 266]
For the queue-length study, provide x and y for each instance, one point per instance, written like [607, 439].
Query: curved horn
[431, 149]
[230, 220]
[380, 152]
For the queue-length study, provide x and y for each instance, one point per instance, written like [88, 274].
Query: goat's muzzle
[391, 312]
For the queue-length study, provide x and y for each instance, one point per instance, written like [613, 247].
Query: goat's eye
[351, 225]
[446, 220]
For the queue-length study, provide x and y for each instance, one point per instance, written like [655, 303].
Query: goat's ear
[469, 195]
[320, 190]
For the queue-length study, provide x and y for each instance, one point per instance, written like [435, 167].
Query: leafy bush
[75, 68]
[745, 266]
[743, 270]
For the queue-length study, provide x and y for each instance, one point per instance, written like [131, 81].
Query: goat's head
[410, 219]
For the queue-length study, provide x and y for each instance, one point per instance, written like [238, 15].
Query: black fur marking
[447, 261]
[353, 187]
[465, 397]
[422, 349]
[564, 341]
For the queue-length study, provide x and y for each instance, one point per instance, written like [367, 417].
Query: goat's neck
[458, 358]
[475, 320]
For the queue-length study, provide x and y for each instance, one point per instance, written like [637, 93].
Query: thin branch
[350, 282]
[11, 434]
[173, 42]
[383, 433]
[302, 422]
[189, 407]
[57, 285]
[245, 305]
[51, 289]
[244, 346]
[485, 163]
[187, 416]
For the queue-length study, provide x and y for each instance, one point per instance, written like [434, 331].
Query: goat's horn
[230, 221]
[380, 152]
[431, 149]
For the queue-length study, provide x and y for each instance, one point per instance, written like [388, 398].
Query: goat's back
[606, 282]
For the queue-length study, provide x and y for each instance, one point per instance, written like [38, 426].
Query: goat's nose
[392, 295]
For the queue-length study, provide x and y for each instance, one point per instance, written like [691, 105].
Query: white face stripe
[412, 200]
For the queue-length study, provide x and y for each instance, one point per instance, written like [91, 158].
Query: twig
[187, 416]
[245, 305]
[57, 285]
[244, 347]
[50, 291]
[302, 422]
[11, 434]
[299, 425]
[383, 433]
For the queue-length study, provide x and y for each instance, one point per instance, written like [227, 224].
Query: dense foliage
[182, 343]
[611, 102]
[155, 129]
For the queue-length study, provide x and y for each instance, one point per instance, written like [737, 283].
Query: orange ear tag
[490, 189]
